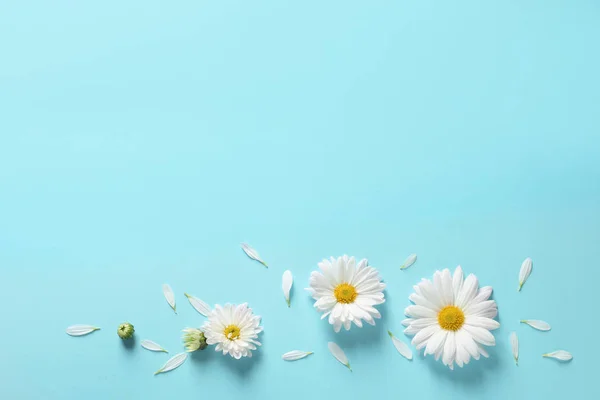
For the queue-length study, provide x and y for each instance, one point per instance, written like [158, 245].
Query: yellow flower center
[345, 293]
[451, 318]
[231, 332]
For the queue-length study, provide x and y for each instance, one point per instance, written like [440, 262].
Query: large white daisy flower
[234, 329]
[346, 291]
[452, 318]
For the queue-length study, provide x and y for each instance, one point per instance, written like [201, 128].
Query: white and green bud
[194, 339]
[125, 331]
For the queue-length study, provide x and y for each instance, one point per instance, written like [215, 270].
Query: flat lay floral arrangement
[451, 317]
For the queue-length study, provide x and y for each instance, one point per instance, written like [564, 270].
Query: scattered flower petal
[81, 330]
[152, 346]
[253, 254]
[286, 285]
[339, 354]
[295, 355]
[199, 305]
[537, 324]
[170, 296]
[561, 355]
[173, 363]
[409, 261]
[525, 272]
[514, 343]
[402, 347]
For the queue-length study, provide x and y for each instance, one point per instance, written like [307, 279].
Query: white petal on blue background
[169, 296]
[199, 305]
[560, 355]
[410, 260]
[152, 346]
[339, 354]
[295, 355]
[537, 324]
[81, 330]
[253, 254]
[286, 284]
[525, 271]
[402, 347]
[174, 362]
[514, 344]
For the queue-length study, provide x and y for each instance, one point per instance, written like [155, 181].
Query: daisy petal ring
[452, 318]
[234, 329]
[347, 292]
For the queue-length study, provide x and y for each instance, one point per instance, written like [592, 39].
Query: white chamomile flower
[452, 318]
[347, 292]
[234, 329]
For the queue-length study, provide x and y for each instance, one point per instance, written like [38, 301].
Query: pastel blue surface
[142, 141]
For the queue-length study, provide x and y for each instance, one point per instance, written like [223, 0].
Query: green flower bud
[125, 331]
[194, 339]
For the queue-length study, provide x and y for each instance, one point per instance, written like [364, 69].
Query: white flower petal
[199, 305]
[421, 338]
[169, 296]
[525, 271]
[469, 344]
[410, 260]
[439, 288]
[325, 303]
[253, 254]
[481, 322]
[339, 354]
[514, 344]
[440, 350]
[421, 301]
[424, 322]
[483, 352]
[482, 295]
[347, 324]
[457, 281]
[81, 330]
[448, 290]
[350, 269]
[478, 308]
[490, 311]
[428, 291]
[402, 347]
[286, 285]
[537, 324]
[152, 346]
[560, 355]
[173, 363]
[411, 331]
[462, 354]
[295, 355]
[420, 312]
[480, 335]
[337, 324]
[449, 349]
[436, 341]
[339, 269]
[467, 292]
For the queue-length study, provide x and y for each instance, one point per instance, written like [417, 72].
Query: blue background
[142, 141]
